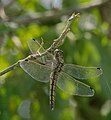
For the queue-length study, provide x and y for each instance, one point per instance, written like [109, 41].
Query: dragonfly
[51, 67]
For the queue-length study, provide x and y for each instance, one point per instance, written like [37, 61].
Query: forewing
[72, 86]
[35, 70]
[35, 46]
[80, 72]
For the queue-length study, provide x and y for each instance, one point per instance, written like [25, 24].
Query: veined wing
[37, 48]
[37, 71]
[80, 72]
[72, 86]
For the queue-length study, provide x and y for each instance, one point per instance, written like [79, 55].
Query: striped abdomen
[53, 81]
[54, 76]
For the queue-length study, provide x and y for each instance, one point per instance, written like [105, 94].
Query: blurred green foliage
[86, 44]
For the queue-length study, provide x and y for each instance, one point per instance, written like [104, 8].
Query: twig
[9, 68]
[57, 43]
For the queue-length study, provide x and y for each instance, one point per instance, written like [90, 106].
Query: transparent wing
[37, 71]
[80, 72]
[72, 86]
[35, 46]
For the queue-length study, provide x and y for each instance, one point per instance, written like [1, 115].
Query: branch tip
[73, 16]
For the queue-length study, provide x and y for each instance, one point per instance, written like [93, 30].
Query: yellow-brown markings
[52, 93]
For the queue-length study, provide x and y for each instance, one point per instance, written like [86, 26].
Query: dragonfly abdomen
[54, 76]
[52, 90]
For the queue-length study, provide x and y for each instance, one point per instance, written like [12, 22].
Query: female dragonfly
[66, 77]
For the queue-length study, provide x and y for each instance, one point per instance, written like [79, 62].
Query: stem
[57, 43]
[60, 40]
[9, 68]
